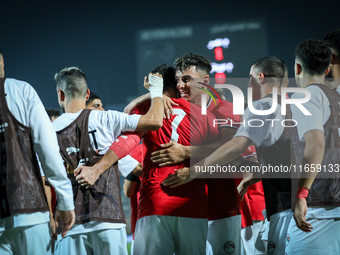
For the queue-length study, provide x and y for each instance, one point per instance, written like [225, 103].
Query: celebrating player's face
[96, 104]
[188, 82]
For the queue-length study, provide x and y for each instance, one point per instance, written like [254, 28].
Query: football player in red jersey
[168, 217]
[192, 75]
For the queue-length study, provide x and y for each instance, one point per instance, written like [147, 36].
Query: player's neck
[268, 89]
[75, 106]
[307, 80]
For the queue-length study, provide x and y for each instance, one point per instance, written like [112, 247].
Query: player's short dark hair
[333, 39]
[92, 97]
[53, 113]
[168, 73]
[184, 62]
[72, 81]
[314, 55]
[270, 66]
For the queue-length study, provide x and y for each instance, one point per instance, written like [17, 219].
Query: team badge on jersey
[229, 247]
[271, 247]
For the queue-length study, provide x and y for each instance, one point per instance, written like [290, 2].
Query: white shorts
[277, 236]
[324, 238]
[251, 237]
[224, 236]
[247, 241]
[34, 239]
[162, 235]
[259, 229]
[107, 241]
[266, 231]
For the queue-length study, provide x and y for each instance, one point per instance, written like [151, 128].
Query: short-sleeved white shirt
[319, 108]
[105, 126]
[270, 132]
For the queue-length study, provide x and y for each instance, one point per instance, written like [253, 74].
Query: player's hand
[242, 189]
[86, 176]
[146, 80]
[66, 218]
[300, 212]
[173, 153]
[168, 103]
[53, 228]
[181, 177]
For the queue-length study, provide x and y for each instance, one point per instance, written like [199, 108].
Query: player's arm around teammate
[152, 120]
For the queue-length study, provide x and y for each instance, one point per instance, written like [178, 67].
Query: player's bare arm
[88, 175]
[47, 189]
[222, 156]
[313, 154]
[130, 186]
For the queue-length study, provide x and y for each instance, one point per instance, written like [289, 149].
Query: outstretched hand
[300, 212]
[242, 190]
[180, 177]
[171, 154]
[168, 103]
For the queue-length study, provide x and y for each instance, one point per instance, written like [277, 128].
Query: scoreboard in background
[231, 47]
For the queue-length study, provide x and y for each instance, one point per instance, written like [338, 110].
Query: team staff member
[26, 130]
[100, 223]
[317, 206]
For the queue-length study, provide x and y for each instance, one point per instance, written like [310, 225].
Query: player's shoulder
[15, 82]
[104, 118]
[226, 103]
[180, 101]
[222, 105]
[141, 108]
[64, 120]
[18, 86]
[263, 103]
[317, 94]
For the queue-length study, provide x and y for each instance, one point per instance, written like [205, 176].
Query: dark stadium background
[39, 38]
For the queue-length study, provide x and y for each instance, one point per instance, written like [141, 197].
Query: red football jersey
[187, 127]
[222, 193]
